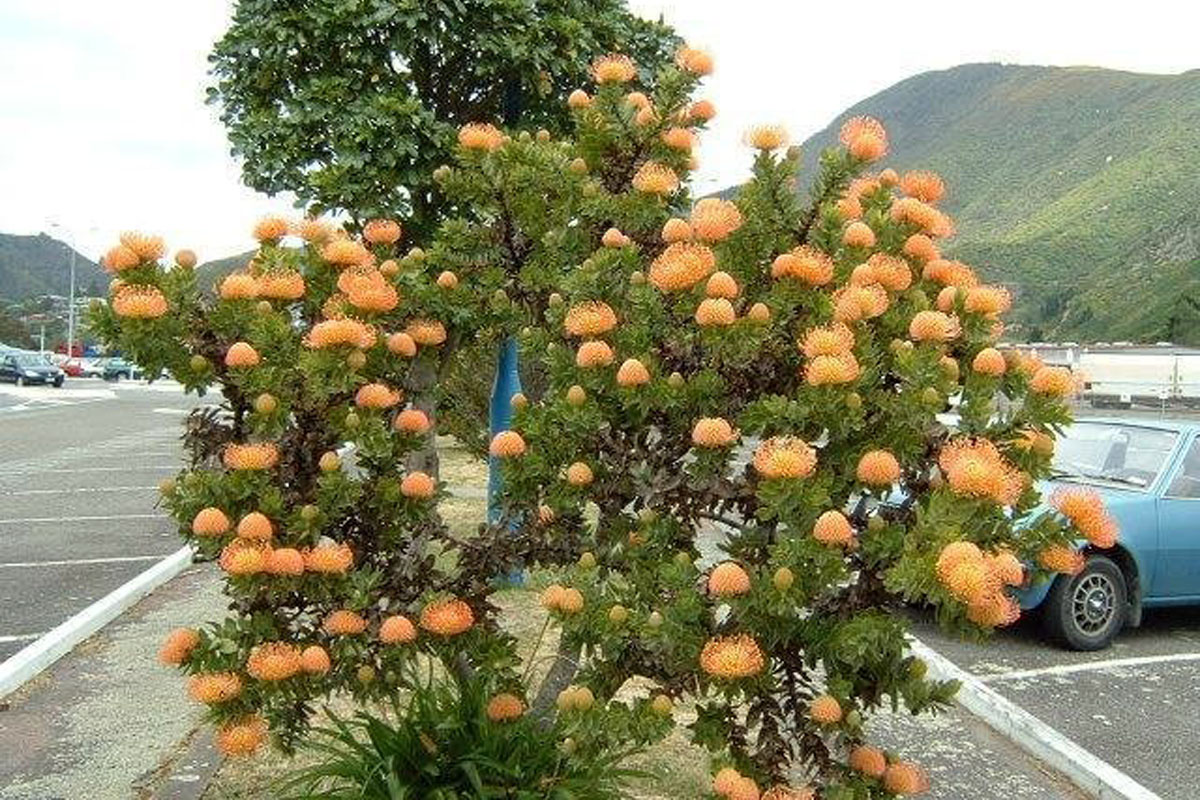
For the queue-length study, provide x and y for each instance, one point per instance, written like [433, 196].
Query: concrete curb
[1097, 778]
[35, 657]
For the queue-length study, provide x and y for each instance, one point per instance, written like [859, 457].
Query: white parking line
[24, 637]
[60, 520]
[26, 492]
[1088, 666]
[17, 473]
[72, 562]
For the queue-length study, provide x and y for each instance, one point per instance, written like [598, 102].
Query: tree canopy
[351, 104]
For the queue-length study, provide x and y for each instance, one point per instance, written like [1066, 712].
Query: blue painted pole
[506, 384]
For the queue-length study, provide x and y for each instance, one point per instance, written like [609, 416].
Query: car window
[1125, 454]
[1187, 481]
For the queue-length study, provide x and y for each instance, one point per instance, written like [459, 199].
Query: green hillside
[211, 272]
[1075, 187]
[35, 265]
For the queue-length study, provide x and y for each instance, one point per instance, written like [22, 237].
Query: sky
[104, 128]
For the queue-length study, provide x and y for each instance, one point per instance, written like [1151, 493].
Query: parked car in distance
[1148, 473]
[24, 368]
[90, 369]
[116, 368]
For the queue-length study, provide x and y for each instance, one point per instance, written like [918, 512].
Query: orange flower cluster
[784, 457]
[447, 617]
[868, 760]
[714, 219]
[933, 326]
[865, 138]
[733, 785]
[340, 332]
[829, 355]
[239, 286]
[281, 284]
[147, 248]
[613, 68]
[679, 139]
[681, 266]
[655, 178]
[139, 302]
[1053, 382]
[766, 137]
[560, 598]
[397, 629]
[728, 579]
[805, 263]
[694, 60]
[242, 354]
[330, 559]
[925, 217]
[315, 660]
[343, 253]
[274, 661]
[211, 688]
[1085, 509]
[853, 303]
[250, 456]
[244, 557]
[991, 301]
[975, 468]
[255, 525]
[402, 345]
[833, 528]
[427, 332]
[594, 353]
[368, 290]
[376, 396]
[825, 710]
[632, 373]
[483, 137]
[344, 622]
[242, 738]
[505, 707]
[384, 231]
[1061, 558]
[921, 247]
[904, 778]
[120, 258]
[507, 444]
[979, 580]
[732, 657]
[715, 312]
[418, 485]
[713, 432]
[702, 110]
[210, 522]
[949, 273]
[878, 468]
[926, 186]
[592, 318]
[989, 361]
[314, 231]
[579, 474]
[178, 646]
[722, 284]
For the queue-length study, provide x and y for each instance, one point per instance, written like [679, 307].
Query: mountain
[37, 265]
[1074, 186]
[211, 272]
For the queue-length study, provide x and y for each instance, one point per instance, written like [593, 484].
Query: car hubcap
[1094, 604]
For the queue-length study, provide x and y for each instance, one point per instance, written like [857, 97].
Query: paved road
[79, 468]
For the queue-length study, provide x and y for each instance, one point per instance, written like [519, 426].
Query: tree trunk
[423, 381]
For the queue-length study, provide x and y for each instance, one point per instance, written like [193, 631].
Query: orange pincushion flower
[679, 139]
[346, 253]
[759, 312]
[954, 554]
[593, 353]
[865, 138]
[858, 234]
[593, 318]
[850, 207]
[920, 247]
[210, 522]
[178, 646]
[480, 136]
[681, 266]
[241, 354]
[782, 792]
[329, 559]
[504, 707]
[397, 629]
[211, 688]
[638, 100]
[344, 622]
[271, 229]
[924, 185]
[281, 284]
[732, 657]
[250, 456]
[255, 526]
[632, 373]
[338, 332]
[928, 219]
[947, 298]
[370, 291]
[418, 485]
[889, 177]
[613, 68]
[139, 302]
[313, 231]
[314, 660]
[949, 273]
[376, 395]
[579, 474]
[694, 60]
[832, 527]
[646, 115]
[447, 617]
[969, 581]
[988, 300]
[382, 231]
[989, 361]
[744, 789]
[713, 432]
[728, 580]
[726, 780]
[579, 99]
[285, 561]
[655, 178]
[852, 303]
[239, 286]
[993, 609]
[784, 457]
[975, 468]
[766, 137]
[715, 312]
[676, 230]
[273, 661]
[144, 246]
[933, 326]
[905, 778]
[1061, 558]
[402, 345]
[613, 238]
[831, 370]
[721, 284]
[1053, 382]
[120, 258]
[552, 597]
[805, 263]
[702, 110]
[241, 738]
[878, 468]
[870, 761]
[892, 272]
[825, 710]
[829, 340]
[1085, 509]
[507, 444]
[714, 219]
[428, 332]
[243, 557]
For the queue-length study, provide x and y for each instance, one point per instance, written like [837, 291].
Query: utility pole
[71, 310]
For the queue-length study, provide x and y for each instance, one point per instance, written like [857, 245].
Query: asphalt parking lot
[79, 468]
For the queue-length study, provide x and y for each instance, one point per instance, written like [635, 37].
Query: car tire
[1087, 611]
[58, 383]
[20, 381]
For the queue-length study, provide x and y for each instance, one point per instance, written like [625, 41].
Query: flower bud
[265, 403]
[783, 579]
[357, 359]
[330, 462]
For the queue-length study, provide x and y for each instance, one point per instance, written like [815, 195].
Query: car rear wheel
[1088, 610]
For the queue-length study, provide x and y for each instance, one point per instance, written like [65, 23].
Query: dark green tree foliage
[351, 104]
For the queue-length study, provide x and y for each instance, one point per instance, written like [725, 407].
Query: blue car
[1149, 475]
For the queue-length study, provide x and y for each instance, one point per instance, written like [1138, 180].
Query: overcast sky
[103, 125]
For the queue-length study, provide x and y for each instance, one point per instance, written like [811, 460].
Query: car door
[8, 368]
[1178, 573]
